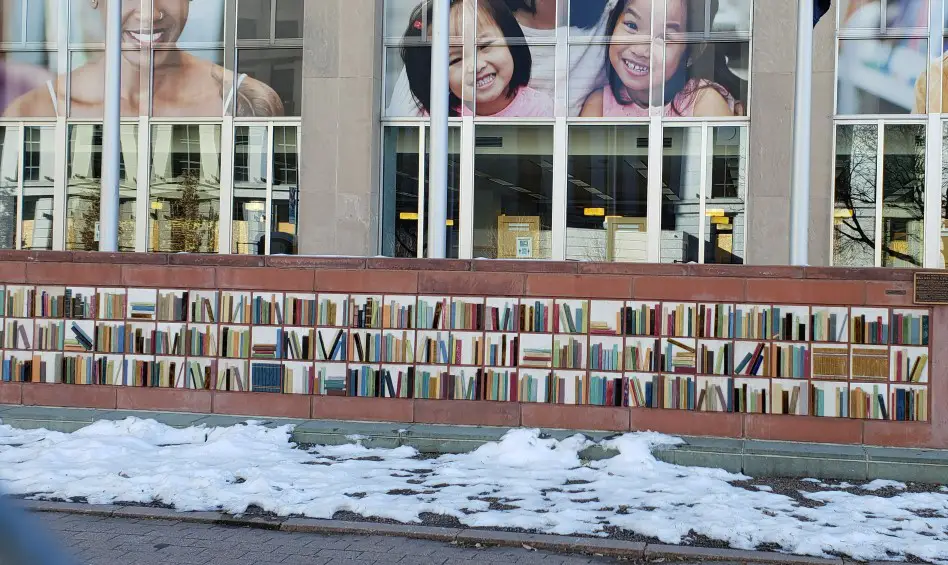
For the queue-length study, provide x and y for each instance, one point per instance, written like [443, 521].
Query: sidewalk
[752, 457]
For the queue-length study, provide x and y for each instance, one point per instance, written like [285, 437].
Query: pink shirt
[528, 103]
[684, 102]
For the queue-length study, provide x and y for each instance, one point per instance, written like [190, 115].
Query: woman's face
[489, 75]
[149, 23]
[632, 61]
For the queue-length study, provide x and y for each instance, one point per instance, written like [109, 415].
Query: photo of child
[696, 80]
[496, 81]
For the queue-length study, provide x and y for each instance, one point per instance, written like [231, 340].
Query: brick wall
[813, 288]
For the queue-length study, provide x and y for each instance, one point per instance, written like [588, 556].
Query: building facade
[588, 130]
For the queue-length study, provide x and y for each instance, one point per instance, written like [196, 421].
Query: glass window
[38, 173]
[682, 165]
[882, 76]
[944, 198]
[253, 19]
[249, 227]
[271, 82]
[454, 193]
[200, 92]
[706, 80]
[23, 21]
[289, 19]
[513, 190]
[607, 194]
[23, 90]
[903, 195]
[285, 197]
[9, 180]
[903, 15]
[400, 182]
[854, 219]
[725, 196]
[184, 192]
[84, 186]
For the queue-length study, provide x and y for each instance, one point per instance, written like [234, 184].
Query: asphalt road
[107, 541]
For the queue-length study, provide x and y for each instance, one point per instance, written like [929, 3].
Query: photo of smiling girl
[686, 92]
[497, 78]
[183, 85]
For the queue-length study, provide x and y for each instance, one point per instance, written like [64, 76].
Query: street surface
[109, 541]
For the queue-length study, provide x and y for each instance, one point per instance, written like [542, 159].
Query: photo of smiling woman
[182, 84]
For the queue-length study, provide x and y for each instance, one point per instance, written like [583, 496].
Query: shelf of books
[830, 361]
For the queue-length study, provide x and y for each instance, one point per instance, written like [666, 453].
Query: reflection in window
[39, 25]
[253, 19]
[903, 195]
[84, 186]
[708, 82]
[854, 219]
[943, 243]
[682, 165]
[39, 165]
[250, 190]
[513, 189]
[903, 15]
[289, 19]
[400, 182]
[725, 197]
[285, 197]
[9, 179]
[23, 72]
[184, 193]
[607, 194]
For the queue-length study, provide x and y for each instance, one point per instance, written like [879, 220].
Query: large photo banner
[697, 62]
[883, 65]
[173, 62]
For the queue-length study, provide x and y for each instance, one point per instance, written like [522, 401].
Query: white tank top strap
[233, 91]
[52, 96]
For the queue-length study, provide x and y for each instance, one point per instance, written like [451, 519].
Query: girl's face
[632, 61]
[488, 76]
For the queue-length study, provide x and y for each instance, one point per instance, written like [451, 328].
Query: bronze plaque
[931, 288]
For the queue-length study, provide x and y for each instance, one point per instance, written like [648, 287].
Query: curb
[565, 544]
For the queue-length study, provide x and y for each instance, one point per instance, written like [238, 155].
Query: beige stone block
[774, 36]
[321, 38]
[359, 35]
[768, 237]
[771, 135]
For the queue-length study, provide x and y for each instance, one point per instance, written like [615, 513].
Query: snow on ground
[523, 481]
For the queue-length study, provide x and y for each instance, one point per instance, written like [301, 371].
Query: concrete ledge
[749, 456]
[561, 544]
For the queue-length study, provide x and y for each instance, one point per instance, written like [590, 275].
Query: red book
[879, 330]
[898, 368]
[556, 318]
[514, 388]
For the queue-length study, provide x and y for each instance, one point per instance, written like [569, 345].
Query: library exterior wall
[855, 288]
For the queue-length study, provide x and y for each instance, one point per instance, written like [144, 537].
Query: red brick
[74, 274]
[262, 404]
[802, 428]
[467, 413]
[747, 272]
[859, 274]
[363, 409]
[164, 399]
[120, 258]
[315, 262]
[895, 293]
[168, 276]
[686, 422]
[806, 292]
[12, 272]
[215, 260]
[367, 282]
[476, 284]
[290, 280]
[901, 434]
[568, 417]
[71, 396]
[512, 266]
[11, 393]
[575, 286]
[636, 269]
[36, 256]
[688, 289]
[390, 264]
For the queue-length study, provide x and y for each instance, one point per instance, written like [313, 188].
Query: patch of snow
[880, 484]
[765, 488]
[542, 482]
[811, 480]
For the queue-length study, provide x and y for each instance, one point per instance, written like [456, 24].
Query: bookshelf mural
[835, 361]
